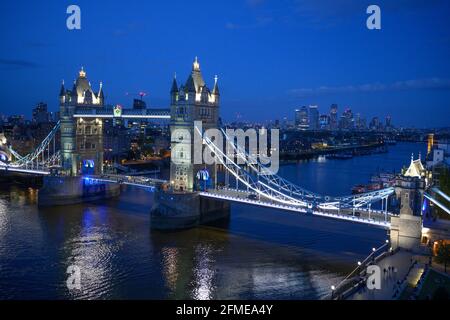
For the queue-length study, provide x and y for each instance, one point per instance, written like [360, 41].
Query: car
[252, 196]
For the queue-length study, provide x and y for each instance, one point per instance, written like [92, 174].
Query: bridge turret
[406, 229]
[62, 93]
[174, 90]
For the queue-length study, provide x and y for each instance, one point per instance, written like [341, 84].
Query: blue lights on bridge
[91, 181]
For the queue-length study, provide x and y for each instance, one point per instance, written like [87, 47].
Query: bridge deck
[36, 171]
[372, 217]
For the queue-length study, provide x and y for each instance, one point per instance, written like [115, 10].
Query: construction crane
[141, 94]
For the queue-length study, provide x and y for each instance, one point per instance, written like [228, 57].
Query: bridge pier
[181, 210]
[68, 190]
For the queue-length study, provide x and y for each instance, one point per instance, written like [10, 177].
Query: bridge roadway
[360, 215]
[138, 181]
[39, 170]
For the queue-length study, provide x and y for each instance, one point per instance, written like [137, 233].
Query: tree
[443, 255]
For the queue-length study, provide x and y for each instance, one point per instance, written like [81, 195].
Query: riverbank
[308, 154]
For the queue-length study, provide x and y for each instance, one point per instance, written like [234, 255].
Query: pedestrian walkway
[394, 269]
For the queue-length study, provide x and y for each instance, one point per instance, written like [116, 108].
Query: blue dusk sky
[271, 56]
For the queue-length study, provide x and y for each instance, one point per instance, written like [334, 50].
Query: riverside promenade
[397, 272]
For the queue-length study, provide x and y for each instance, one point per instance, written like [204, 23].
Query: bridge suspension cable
[280, 185]
[247, 180]
[42, 157]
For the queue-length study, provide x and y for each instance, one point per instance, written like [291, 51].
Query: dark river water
[258, 253]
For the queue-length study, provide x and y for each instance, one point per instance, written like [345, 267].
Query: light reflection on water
[255, 254]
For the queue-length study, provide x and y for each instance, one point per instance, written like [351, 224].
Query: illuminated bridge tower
[180, 205]
[81, 138]
[406, 228]
[190, 102]
[5, 153]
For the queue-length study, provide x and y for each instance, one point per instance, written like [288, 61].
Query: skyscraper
[301, 118]
[324, 122]
[333, 116]
[347, 121]
[360, 122]
[374, 124]
[388, 124]
[313, 118]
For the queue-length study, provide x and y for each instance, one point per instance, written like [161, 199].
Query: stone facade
[82, 139]
[406, 229]
[190, 102]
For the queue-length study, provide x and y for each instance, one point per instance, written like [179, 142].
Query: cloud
[418, 84]
[17, 64]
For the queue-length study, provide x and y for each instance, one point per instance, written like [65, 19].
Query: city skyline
[355, 114]
[400, 69]
[233, 154]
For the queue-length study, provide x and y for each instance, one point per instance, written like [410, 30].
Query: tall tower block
[430, 143]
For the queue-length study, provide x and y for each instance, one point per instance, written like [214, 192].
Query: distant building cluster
[26, 134]
[310, 118]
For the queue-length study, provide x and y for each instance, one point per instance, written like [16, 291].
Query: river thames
[258, 253]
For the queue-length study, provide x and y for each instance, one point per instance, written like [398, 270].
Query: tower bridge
[73, 169]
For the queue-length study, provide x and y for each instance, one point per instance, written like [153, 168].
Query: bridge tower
[5, 153]
[81, 138]
[191, 102]
[406, 229]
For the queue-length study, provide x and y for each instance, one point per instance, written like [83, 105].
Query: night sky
[271, 56]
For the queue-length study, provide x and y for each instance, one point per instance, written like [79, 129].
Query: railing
[342, 288]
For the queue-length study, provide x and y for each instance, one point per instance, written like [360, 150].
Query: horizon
[270, 58]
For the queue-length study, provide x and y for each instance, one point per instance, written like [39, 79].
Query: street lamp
[359, 263]
[373, 249]
[332, 291]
